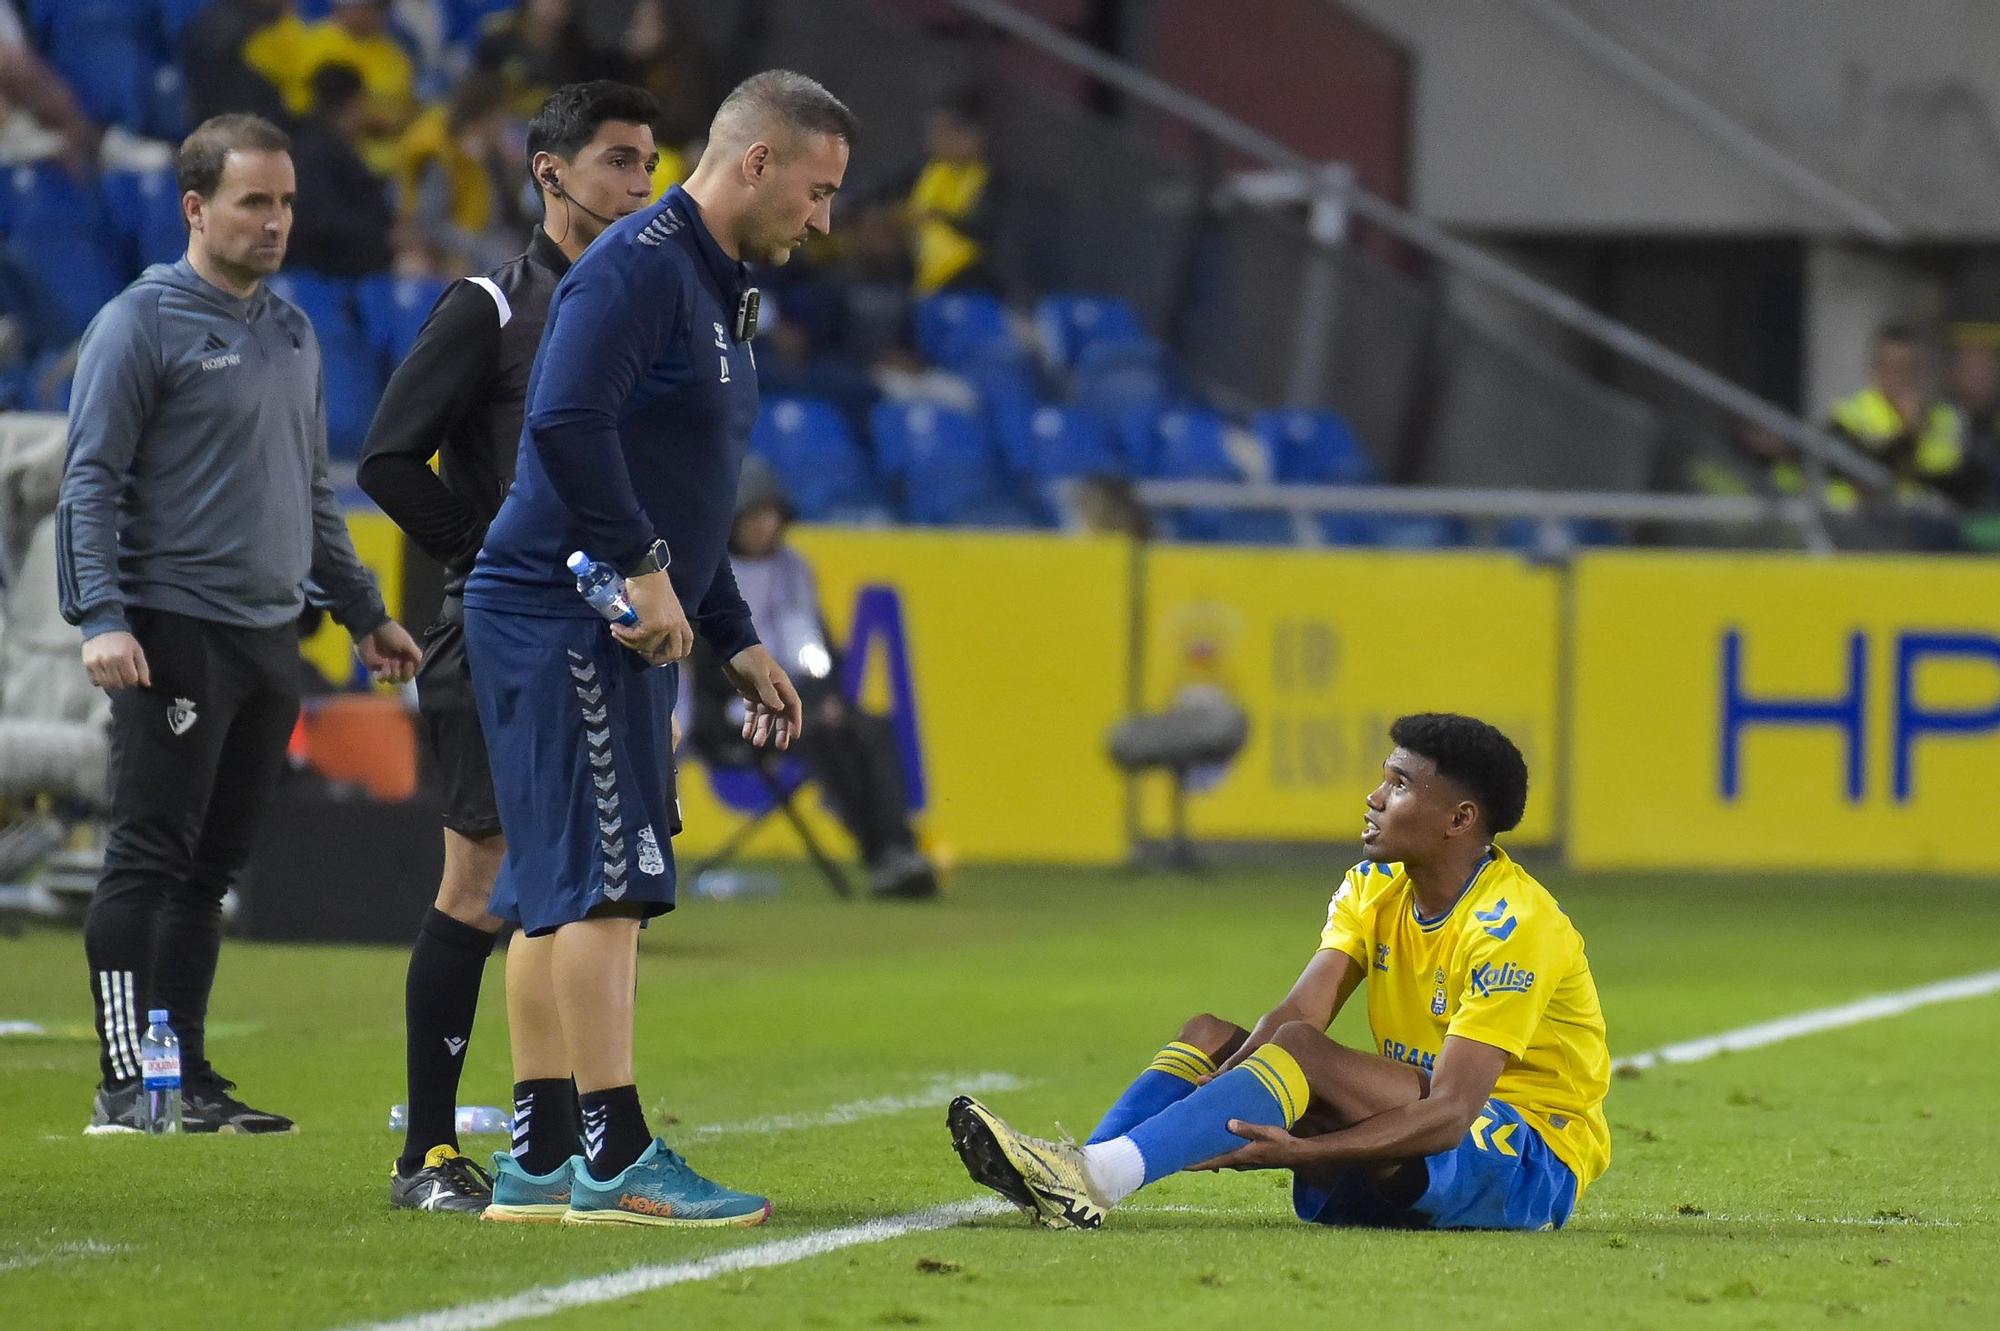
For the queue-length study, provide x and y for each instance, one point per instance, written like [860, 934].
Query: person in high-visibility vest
[1899, 420]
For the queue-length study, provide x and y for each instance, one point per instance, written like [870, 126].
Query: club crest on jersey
[181, 716]
[1507, 978]
[1437, 996]
[651, 862]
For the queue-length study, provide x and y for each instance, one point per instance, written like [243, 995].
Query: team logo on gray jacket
[181, 716]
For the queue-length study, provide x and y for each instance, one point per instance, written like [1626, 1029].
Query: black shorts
[451, 727]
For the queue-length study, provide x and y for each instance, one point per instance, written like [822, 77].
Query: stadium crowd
[900, 384]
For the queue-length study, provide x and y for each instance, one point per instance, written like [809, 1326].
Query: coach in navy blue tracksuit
[639, 412]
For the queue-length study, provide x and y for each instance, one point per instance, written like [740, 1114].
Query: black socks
[614, 1130]
[440, 998]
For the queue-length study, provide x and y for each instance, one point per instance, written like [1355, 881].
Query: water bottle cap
[158, 1016]
[578, 562]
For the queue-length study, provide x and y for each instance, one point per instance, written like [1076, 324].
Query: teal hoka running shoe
[659, 1188]
[532, 1199]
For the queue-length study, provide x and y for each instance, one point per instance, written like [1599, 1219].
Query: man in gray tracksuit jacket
[195, 522]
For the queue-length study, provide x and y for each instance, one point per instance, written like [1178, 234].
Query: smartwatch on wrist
[655, 560]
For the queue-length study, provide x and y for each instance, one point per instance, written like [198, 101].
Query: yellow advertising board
[379, 543]
[1002, 661]
[1324, 649]
[1746, 710]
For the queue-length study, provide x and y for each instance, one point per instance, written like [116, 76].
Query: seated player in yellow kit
[1480, 1104]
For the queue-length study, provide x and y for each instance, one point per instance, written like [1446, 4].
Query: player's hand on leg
[662, 634]
[1269, 1148]
[116, 661]
[390, 653]
[776, 716]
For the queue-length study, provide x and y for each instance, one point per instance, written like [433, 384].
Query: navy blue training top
[639, 411]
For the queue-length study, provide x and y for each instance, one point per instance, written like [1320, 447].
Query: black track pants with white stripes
[193, 759]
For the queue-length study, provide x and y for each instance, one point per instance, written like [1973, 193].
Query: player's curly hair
[1476, 756]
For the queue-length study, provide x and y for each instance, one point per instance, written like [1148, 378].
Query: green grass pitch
[1844, 1178]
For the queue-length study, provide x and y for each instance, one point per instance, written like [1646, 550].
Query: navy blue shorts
[1502, 1175]
[576, 733]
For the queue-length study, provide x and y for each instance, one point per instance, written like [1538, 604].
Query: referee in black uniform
[459, 398]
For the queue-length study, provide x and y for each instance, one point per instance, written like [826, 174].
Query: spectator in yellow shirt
[356, 33]
[446, 173]
[951, 207]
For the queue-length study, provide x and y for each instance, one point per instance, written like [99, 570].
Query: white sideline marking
[1873, 1008]
[639, 1279]
[548, 1299]
[938, 1092]
[20, 1260]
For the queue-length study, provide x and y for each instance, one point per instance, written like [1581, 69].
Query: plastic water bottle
[160, 1062]
[602, 587]
[472, 1120]
[735, 884]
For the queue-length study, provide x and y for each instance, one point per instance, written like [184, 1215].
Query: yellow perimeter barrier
[1676, 710]
[1747, 710]
[1325, 649]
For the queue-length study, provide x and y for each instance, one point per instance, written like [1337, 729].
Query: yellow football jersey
[1504, 966]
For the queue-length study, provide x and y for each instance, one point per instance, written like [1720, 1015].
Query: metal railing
[1732, 135]
[1551, 509]
[1821, 451]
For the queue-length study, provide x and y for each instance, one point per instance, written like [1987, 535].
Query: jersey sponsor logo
[222, 362]
[1410, 1054]
[650, 860]
[721, 339]
[181, 716]
[1506, 978]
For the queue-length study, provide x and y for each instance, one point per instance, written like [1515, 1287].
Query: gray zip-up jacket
[196, 479]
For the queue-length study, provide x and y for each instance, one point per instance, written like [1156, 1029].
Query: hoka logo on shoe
[631, 1201]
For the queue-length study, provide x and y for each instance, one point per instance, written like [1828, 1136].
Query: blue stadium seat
[175, 15]
[957, 328]
[355, 370]
[945, 462]
[462, 18]
[1063, 442]
[1112, 380]
[1009, 394]
[145, 208]
[1071, 324]
[1314, 448]
[825, 472]
[58, 230]
[393, 310]
[1394, 531]
[107, 51]
[1526, 536]
[1189, 444]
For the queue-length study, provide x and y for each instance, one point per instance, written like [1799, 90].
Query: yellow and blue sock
[1173, 1074]
[1267, 1087]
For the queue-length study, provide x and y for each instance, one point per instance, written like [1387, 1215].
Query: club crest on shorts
[651, 862]
[181, 716]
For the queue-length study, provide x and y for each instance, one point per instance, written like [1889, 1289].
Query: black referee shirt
[459, 397]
